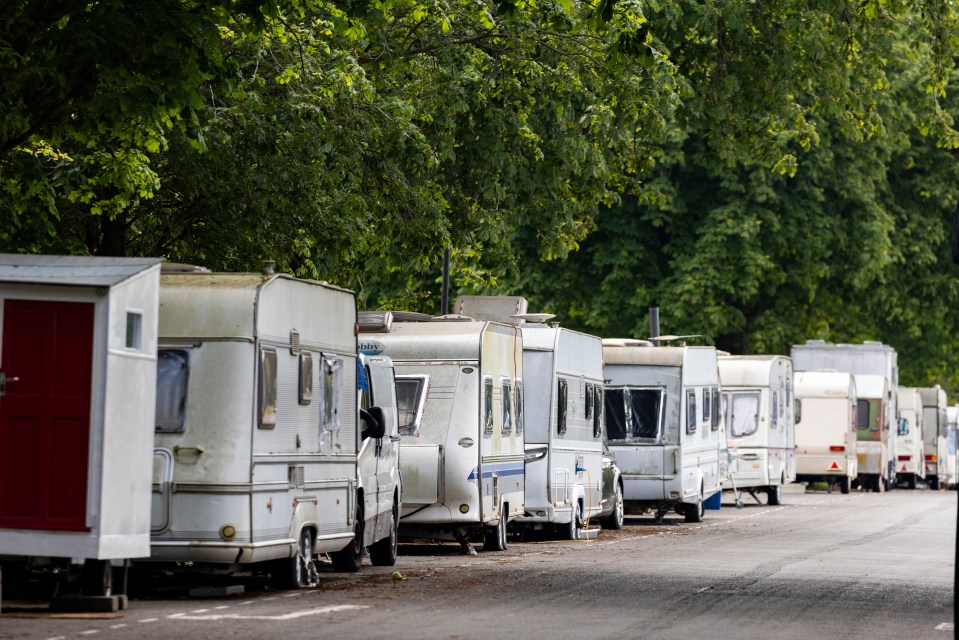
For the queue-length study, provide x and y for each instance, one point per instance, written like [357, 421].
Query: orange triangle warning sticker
[834, 467]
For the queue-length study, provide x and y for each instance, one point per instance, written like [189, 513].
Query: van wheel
[296, 572]
[844, 485]
[911, 483]
[350, 558]
[573, 530]
[695, 512]
[615, 519]
[494, 538]
[383, 552]
[774, 495]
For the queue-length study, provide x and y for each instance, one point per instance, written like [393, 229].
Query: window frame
[562, 408]
[691, 414]
[267, 380]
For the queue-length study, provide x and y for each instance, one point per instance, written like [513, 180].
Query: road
[822, 565]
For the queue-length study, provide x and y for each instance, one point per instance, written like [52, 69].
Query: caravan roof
[699, 363]
[824, 384]
[871, 386]
[84, 271]
[439, 340]
[744, 371]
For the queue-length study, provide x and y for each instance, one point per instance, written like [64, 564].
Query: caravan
[663, 420]
[258, 429]
[950, 474]
[868, 358]
[460, 396]
[758, 393]
[826, 428]
[909, 438]
[872, 446]
[563, 375]
[934, 433]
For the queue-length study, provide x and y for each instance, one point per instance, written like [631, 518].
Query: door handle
[4, 379]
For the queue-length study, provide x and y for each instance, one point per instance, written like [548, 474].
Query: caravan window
[173, 376]
[266, 385]
[774, 408]
[632, 415]
[868, 417]
[707, 404]
[598, 411]
[588, 400]
[507, 395]
[306, 378]
[411, 395]
[691, 411]
[717, 398]
[519, 407]
[561, 399]
[488, 405]
[745, 414]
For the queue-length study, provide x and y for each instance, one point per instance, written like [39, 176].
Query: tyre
[294, 572]
[96, 578]
[774, 495]
[695, 512]
[383, 552]
[615, 519]
[911, 483]
[844, 485]
[350, 558]
[494, 538]
[573, 530]
[934, 483]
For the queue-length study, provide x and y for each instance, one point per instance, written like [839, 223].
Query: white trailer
[869, 358]
[460, 396]
[951, 472]
[758, 391]
[872, 446]
[935, 432]
[563, 378]
[77, 367]
[257, 426]
[663, 420]
[909, 438]
[826, 428]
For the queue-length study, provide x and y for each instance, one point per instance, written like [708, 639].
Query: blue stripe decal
[501, 469]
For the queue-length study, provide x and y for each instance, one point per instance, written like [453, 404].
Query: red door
[45, 414]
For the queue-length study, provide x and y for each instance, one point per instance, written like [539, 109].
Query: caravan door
[47, 369]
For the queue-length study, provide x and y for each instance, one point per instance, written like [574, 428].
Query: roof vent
[268, 267]
[375, 321]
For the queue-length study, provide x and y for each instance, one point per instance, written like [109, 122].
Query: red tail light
[837, 448]
[931, 458]
[905, 458]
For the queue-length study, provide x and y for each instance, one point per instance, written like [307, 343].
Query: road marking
[89, 632]
[118, 626]
[222, 606]
[149, 620]
[292, 595]
[946, 626]
[288, 616]
[247, 602]
[199, 611]
[57, 638]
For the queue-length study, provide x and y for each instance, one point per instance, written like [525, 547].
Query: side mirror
[374, 422]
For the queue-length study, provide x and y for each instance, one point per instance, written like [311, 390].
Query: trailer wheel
[695, 512]
[383, 552]
[573, 530]
[844, 485]
[934, 483]
[615, 519]
[911, 483]
[774, 495]
[295, 572]
[96, 578]
[494, 538]
[350, 558]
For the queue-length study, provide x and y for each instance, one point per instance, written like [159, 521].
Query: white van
[934, 432]
[563, 375]
[872, 446]
[662, 421]
[826, 428]
[760, 428]
[910, 465]
[258, 429]
[460, 396]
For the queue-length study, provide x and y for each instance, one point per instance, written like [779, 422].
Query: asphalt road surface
[822, 565]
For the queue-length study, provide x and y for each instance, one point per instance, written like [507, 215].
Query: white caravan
[934, 432]
[951, 472]
[909, 438]
[460, 396]
[826, 428]
[758, 391]
[563, 376]
[258, 428]
[663, 418]
[869, 358]
[77, 366]
[872, 446]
